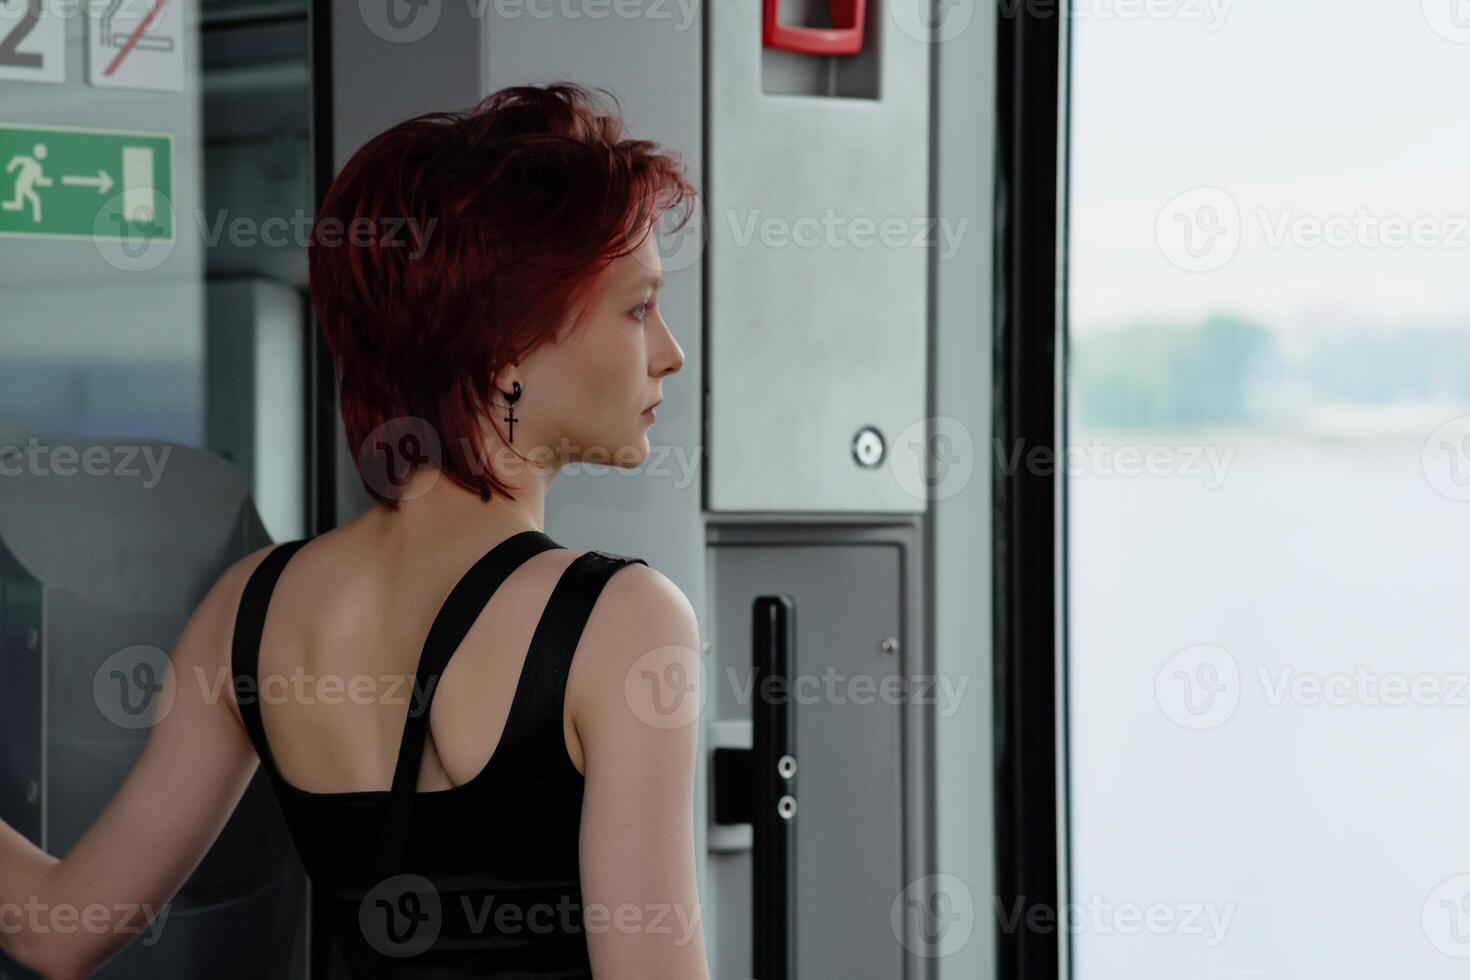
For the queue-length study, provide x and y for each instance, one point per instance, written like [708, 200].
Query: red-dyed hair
[518, 205]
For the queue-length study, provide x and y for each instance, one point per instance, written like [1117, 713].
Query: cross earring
[511, 399]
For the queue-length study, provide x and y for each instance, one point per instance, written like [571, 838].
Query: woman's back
[353, 609]
[355, 637]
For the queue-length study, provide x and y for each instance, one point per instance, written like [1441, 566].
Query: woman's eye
[641, 310]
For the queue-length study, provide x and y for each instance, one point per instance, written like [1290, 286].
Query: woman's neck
[433, 510]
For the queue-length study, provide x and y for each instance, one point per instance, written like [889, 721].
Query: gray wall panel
[959, 543]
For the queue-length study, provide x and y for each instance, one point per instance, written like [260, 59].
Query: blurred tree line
[1230, 371]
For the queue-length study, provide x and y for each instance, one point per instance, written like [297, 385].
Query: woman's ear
[506, 381]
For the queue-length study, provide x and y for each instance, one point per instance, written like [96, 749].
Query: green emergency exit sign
[64, 182]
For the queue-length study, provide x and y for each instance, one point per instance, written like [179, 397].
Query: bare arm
[639, 732]
[155, 830]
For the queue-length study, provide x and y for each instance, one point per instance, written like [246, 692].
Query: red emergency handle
[845, 36]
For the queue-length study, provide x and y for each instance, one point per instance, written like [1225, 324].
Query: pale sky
[1307, 109]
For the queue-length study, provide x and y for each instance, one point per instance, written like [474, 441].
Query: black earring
[512, 398]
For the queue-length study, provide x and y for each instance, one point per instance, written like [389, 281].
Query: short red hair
[487, 229]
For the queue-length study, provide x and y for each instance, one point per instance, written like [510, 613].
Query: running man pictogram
[31, 176]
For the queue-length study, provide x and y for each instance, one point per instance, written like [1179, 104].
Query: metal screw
[867, 447]
[786, 766]
[786, 807]
[890, 645]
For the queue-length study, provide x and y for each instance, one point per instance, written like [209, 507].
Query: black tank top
[487, 883]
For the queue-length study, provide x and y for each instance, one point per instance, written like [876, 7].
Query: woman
[543, 822]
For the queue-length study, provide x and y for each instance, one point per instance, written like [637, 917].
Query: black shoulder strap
[548, 660]
[538, 723]
[459, 612]
[245, 648]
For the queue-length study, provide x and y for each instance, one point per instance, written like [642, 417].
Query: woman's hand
[115, 883]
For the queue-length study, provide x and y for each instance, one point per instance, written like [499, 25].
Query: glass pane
[155, 186]
[1269, 490]
[152, 323]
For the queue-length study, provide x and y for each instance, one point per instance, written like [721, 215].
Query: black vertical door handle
[758, 786]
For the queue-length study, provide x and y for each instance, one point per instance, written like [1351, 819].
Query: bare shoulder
[641, 621]
[217, 608]
[217, 611]
[232, 583]
[639, 600]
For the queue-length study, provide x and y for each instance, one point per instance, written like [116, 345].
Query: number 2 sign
[32, 41]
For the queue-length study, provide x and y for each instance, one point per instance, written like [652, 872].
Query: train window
[1268, 482]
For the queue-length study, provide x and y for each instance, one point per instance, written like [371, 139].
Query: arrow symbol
[103, 181]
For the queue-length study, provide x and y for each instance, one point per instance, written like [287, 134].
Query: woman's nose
[672, 360]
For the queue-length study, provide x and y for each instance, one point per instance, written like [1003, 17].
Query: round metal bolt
[867, 447]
